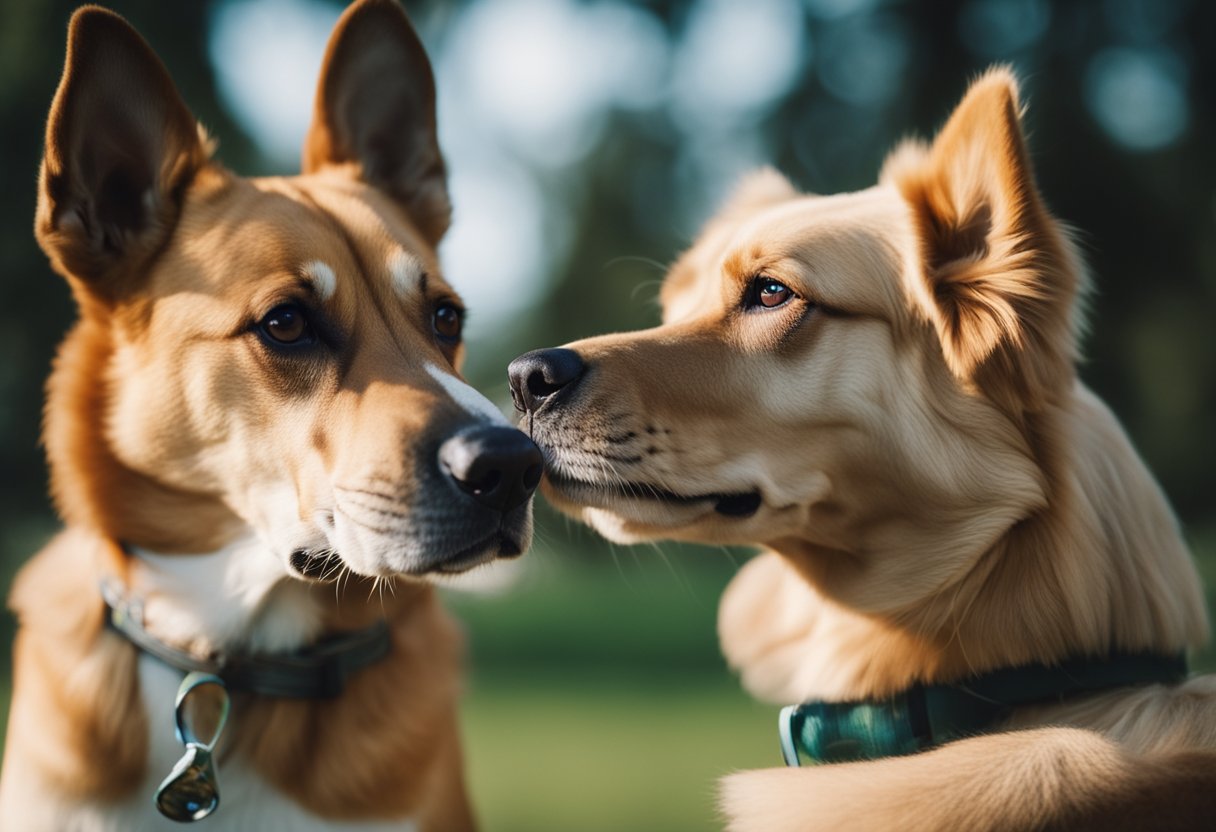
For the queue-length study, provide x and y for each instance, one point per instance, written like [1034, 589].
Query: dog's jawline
[326, 566]
[738, 504]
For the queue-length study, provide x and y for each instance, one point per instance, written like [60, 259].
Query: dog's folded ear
[120, 148]
[375, 113]
[999, 277]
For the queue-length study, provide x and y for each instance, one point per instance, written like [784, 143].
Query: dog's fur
[175, 427]
[940, 494]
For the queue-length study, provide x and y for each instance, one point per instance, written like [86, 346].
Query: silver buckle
[785, 727]
[191, 791]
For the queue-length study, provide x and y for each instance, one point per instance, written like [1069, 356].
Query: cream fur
[939, 493]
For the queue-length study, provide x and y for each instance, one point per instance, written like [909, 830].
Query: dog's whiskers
[380, 530]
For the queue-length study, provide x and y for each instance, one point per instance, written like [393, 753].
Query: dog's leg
[449, 808]
[1045, 779]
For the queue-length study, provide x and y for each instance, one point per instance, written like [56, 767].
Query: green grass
[594, 753]
[598, 699]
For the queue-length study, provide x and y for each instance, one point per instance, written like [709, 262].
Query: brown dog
[880, 388]
[255, 429]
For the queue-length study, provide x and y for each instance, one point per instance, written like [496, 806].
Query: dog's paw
[760, 801]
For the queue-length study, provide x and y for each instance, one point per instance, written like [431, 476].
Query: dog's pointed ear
[375, 112]
[999, 277]
[120, 148]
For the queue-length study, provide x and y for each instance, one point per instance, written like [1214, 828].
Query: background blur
[586, 142]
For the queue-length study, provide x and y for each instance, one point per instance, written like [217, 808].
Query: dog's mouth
[321, 567]
[327, 566]
[616, 495]
[498, 545]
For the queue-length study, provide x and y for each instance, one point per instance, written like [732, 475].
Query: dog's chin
[327, 567]
[499, 545]
[371, 555]
[635, 513]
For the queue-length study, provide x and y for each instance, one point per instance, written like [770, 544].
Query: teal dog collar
[924, 716]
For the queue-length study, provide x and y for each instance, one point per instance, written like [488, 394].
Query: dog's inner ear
[999, 278]
[120, 148]
[375, 109]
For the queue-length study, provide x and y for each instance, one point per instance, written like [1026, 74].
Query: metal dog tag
[191, 791]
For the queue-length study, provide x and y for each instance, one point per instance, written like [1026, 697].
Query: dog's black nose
[498, 467]
[537, 375]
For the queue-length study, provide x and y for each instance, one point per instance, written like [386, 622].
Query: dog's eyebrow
[407, 272]
[322, 278]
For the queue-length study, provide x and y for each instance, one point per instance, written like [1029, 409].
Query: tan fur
[172, 427]
[337, 759]
[940, 495]
[1046, 779]
[76, 685]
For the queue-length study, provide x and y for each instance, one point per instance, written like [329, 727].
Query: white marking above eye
[465, 396]
[323, 279]
[405, 270]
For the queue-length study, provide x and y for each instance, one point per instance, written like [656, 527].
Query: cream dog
[880, 388]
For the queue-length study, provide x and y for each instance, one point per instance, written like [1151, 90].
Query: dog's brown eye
[773, 294]
[768, 293]
[286, 324]
[449, 321]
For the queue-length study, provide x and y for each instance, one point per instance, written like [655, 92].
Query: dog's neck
[1101, 567]
[239, 598]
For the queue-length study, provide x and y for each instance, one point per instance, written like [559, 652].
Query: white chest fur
[239, 598]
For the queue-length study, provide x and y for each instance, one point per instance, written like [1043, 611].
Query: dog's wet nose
[538, 375]
[498, 467]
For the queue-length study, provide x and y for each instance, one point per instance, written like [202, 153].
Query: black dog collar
[924, 716]
[318, 671]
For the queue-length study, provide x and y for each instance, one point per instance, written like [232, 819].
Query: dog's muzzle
[538, 376]
[497, 467]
